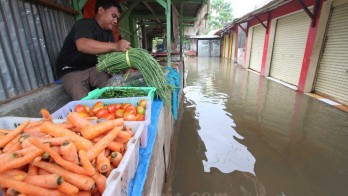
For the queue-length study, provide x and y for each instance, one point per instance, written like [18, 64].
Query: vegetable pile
[119, 93]
[47, 158]
[126, 111]
[115, 62]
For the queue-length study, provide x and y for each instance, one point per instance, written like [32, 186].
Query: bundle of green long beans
[115, 62]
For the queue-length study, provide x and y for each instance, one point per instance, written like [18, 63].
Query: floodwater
[242, 134]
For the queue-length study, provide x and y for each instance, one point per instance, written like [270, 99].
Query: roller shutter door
[332, 79]
[257, 43]
[233, 45]
[289, 46]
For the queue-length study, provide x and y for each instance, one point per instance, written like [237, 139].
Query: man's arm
[90, 46]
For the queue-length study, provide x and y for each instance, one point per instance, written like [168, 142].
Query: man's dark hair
[106, 4]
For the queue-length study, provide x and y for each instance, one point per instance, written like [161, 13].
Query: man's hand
[122, 45]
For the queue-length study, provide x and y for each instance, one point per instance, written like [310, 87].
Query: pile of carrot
[70, 158]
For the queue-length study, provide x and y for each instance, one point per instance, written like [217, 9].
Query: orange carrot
[116, 146]
[56, 141]
[14, 172]
[65, 125]
[43, 171]
[129, 130]
[103, 163]
[81, 181]
[37, 159]
[86, 164]
[21, 161]
[116, 158]
[95, 191]
[25, 143]
[23, 137]
[113, 146]
[13, 134]
[77, 120]
[34, 123]
[111, 168]
[11, 192]
[35, 131]
[4, 131]
[56, 131]
[25, 151]
[56, 149]
[69, 152]
[100, 181]
[68, 188]
[46, 115]
[50, 181]
[11, 144]
[103, 143]
[93, 131]
[26, 188]
[19, 177]
[83, 193]
[123, 137]
[56, 157]
[7, 157]
[33, 170]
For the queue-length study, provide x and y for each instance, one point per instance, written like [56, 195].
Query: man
[76, 62]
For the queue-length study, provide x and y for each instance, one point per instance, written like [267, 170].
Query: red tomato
[98, 105]
[84, 114]
[110, 116]
[125, 105]
[102, 113]
[128, 116]
[117, 105]
[88, 110]
[142, 103]
[111, 108]
[131, 109]
[79, 108]
[140, 110]
[119, 113]
[139, 117]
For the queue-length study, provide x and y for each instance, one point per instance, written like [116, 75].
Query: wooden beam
[192, 19]
[57, 6]
[129, 9]
[305, 8]
[242, 28]
[152, 11]
[308, 12]
[261, 22]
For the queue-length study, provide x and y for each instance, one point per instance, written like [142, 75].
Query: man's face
[109, 17]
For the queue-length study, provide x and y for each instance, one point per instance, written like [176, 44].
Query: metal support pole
[181, 28]
[169, 32]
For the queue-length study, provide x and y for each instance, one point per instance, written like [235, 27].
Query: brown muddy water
[242, 134]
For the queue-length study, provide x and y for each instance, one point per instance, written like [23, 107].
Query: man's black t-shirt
[69, 58]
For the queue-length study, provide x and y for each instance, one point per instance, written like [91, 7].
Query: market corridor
[242, 134]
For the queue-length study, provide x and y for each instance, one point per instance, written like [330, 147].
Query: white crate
[63, 112]
[118, 180]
